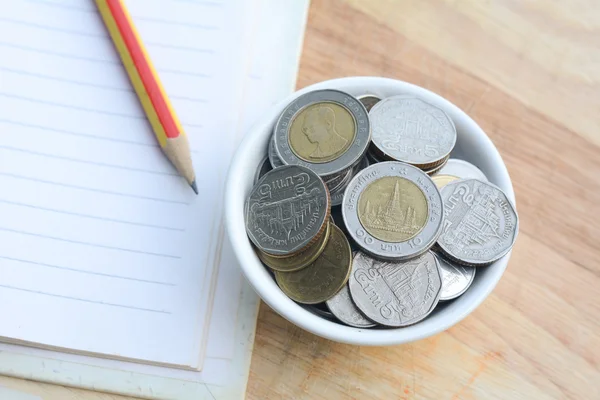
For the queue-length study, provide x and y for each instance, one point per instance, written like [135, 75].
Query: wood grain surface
[529, 73]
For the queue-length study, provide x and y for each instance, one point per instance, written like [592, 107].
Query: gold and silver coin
[327, 131]
[322, 279]
[441, 180]
[368, 100]
[393, 211]
[298, 260]
[287, 210]
[344, 309]
[413, 131]
[463, 170]
[481, 224]
[456, 278]
[395, 293]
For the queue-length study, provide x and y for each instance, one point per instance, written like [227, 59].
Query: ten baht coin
[299, 260]
[325, 130]
[393, 210]
[395, 293]
[411, 130]
[480, 223]
[463, 170]
[287, 210]
[323, 278]
[343, 308]
[456, 279]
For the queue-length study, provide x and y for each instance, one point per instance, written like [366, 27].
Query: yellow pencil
[155, 102]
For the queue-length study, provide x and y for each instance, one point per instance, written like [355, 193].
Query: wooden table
[529, 73]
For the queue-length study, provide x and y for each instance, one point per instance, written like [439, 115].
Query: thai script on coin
[480, 225]
[342, 306]
[411, 130]
[456, 278]
[327, 131]
[463, 170]
[395, 293]
[287, 210]
[393, 210]
[323, 278]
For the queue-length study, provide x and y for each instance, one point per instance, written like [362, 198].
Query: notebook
[117, 276]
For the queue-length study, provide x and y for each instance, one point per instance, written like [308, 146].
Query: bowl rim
[256, 273]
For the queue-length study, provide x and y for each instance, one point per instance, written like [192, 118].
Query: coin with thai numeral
[480, 223]
[342, 306]
[324, 277]
[287, 210]
[463, 170]
[395, 293]
[325, 130]
[456, 278]
[410, 130]
[393, 210]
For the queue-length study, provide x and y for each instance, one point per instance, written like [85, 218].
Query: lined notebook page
[104, 249]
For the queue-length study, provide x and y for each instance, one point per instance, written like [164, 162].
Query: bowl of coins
[370, 211]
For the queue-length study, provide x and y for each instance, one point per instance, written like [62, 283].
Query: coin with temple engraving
[480, 223]
[393, 210]
[395, 293]
[323, 278]
[272, 154]
[287, 210]
[325, 130]
[456, 278]
[412, 130]
[342, 306]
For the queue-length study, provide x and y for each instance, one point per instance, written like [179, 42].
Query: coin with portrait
[327, 131]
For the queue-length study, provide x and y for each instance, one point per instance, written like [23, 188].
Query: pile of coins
[361, 215]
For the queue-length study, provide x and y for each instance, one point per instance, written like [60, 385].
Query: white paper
[104, 249]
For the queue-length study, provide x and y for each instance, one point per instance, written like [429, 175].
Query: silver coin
[462, 169]
[273, 157]
[319, 312]
[412, 131]
[395, 293]
[337, 194]
[393, 214]
[343, 308]
[456, 278]
[330, 128]
[435, 170]
[334, 182]
[369, 100]
[286, 210]
[263, 168]
[481, 224]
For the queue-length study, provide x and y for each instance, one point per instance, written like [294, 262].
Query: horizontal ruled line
[103, 37]
[72, 133]
[133, 196]
[84, 300]
[120, 221]
[72, 107]
[87, 272]
[134, 17]
[98, 164]
[101, 246]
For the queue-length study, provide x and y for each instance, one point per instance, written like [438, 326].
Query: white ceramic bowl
[472, 145]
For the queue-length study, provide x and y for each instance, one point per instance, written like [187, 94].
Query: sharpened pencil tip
[194, 187]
